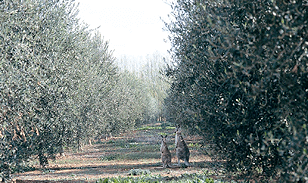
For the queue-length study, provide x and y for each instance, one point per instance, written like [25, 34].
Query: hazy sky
[132, 27]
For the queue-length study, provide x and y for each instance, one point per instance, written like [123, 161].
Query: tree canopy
[240, 79]
[59, 85]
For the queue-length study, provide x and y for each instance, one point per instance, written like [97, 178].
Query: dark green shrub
[240, 80]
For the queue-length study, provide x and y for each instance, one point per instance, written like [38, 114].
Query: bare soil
[117, 156]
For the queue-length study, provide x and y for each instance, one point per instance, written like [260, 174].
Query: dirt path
[118, 157]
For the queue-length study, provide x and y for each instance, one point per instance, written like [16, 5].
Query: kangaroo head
[178, 130]
[163, 138]
[163, 143]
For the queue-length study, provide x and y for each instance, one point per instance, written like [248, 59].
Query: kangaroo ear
[178, 128]
[162, 136]
[166, 136]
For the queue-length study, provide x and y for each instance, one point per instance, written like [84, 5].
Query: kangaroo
[182, 151]
[165, 153]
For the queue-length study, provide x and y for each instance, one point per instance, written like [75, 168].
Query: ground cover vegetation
[59, 85]
[132, 156]
[240, 80]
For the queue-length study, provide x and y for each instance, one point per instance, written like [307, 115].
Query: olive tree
[54, 73]
[240, 80]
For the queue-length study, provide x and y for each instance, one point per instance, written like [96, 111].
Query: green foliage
[154, 84]
[138, 172]
[128, 103]
[147, 178]
[240, 79]
[59, 85]
[157, 85]
[110, 157]
[36, 43]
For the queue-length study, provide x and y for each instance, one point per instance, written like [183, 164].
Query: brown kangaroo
[165, 153]
[182, 151]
